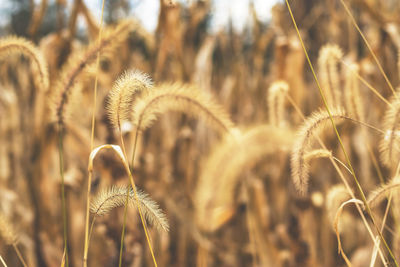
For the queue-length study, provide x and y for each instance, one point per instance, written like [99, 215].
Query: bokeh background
[235, 51]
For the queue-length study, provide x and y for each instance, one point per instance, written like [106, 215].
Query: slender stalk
[363, 198]
[364, 124]
[91, 227]
[63, 205]
[19, 255]
[123, 227]
[86, 246]
[134, 148]
[366, 84]
[130, 171]
[341, 163]
[121, 247]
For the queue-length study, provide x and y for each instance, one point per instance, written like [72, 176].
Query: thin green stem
[123, 227]
[340, 140]
[63, 205]
[130, 171]
[91, 227]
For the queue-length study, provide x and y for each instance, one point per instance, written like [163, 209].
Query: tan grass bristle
[389, 146]
[276, 97]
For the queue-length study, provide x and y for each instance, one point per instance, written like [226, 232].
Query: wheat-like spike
[19, 45]
[389, 146]
[115, 196]
[276, 96]
[313, 125]
[222, 169]
[353, 100]
[77, 63]
[328, 58]
[119, 105]
[179, 97]
[7, 232]
[317, 153]
[380, 193]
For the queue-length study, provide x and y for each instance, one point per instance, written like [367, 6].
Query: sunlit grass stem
[86, 246]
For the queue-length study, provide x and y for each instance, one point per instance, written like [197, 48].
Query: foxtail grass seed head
[183, 98]
[276, 102]
[389, 146]
[123, 93]
[311, 127]
[69, 78]
[19, 45]
[329, 56]
[113, 197]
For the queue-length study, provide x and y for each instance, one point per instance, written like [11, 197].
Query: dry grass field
[278, 145]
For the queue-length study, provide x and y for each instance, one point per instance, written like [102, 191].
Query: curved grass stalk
[336, 227]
